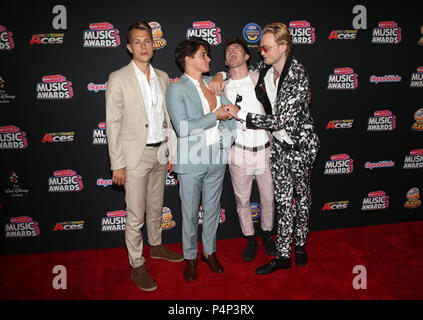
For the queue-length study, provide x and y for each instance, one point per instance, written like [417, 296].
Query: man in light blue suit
[205, 134]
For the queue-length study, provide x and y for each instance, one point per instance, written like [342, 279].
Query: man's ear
[129, 48]
[246, 57]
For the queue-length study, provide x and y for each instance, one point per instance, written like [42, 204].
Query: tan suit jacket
[126, 118]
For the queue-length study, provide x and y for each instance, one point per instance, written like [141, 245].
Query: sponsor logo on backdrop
[340, 124]
[302, 32]
[22, 227]
[99, 134]
[93, 87]
[58, 137]
[414, 160]
[417, 78]
[6, 39]
[376, 200]
[4, 96]
[15, 190]
[104, 182]
[114, 221]
[336, 205]
[382, 120]
[158, 41]
[11, 137]
[339, 164]
[387, 32]
[384, 79]
[47, 38]
[171, 179]
[206, 30]
[413, 196]
[252, 33]
[65, 181]
[418, 116]
[343, 79]
[255, 211]
[101, 35]
[379, 164]
[54, 87]
[420, 42]
[167, 222]
[69, 226]
[343, 35]
[222, 217]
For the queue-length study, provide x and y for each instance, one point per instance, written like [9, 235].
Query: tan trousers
[243, 166]
[144, 190]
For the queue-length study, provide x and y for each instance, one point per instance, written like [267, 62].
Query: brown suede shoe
[141, 278]
[161, 252]
[213, 263]
[190, 270]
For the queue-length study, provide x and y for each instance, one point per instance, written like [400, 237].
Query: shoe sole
[170, 260]
[145, 289]
[263, 274]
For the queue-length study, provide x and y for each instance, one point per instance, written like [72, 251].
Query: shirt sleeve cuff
[242, 115]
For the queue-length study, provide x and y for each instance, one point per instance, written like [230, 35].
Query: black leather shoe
[275, 264]
[269, 244]
[250, 250]
[300, 256]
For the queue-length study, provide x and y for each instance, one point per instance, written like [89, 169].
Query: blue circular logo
[255, 210]
[252, 32]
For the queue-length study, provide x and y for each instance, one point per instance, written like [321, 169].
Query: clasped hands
[228, 111]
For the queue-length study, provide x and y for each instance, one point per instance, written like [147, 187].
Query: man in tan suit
[140, 136]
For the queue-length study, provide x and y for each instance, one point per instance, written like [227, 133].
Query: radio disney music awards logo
[99, 134]
[379, 164]
[385, 79]
[114, 221]
[12, 138]
[167, 222]
[339, 164]
[6, 39]
[206, 30]
[93, 87]
[69, 226]
[252, 32]
[171, 179]
[54, 87]
[255, 211]
[343, 79]
[335, 205]
[101, 35]
[222, 217]
[158, 41]
[343, 35]
[382, 120]
[417, 78]
[418, 116]
[22, 227]
[47, 38]
[104, 182]
[340, 124]
[65, 181]
[54, 137]
[302, 32]
[4, 96]
[376, 200]
[414, 160]
[413, 196]
[15, 190]
[387, 32]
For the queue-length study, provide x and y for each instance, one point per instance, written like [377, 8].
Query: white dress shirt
[153, 101]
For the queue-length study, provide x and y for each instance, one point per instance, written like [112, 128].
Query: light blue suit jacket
[189, 121]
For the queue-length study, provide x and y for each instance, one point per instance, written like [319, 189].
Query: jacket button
[146, 125]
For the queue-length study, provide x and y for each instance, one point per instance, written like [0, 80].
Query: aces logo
[22, 227]
[101, 35]
[343, 35]
[58, 137]
[417, 78]
[158, 41]
[69, 226]
[413, 201]
[6, 39]
[418, 116]
[206, 30]
[335, 205]
[382, 120]
[376, 200]
[340, 124]
[414, 160]
[339, 164]
[387, 32]
[114, 221]
[302, 32]
[99, 134]
[11, 137]
[54, 87]
[65, 181]
[47, 38]
[343, 79]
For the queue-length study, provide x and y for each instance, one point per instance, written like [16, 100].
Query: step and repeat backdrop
[365, 62]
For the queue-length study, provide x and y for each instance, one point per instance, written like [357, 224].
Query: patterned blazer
[291, 111]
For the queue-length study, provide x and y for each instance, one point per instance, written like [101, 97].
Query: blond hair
[281, 33]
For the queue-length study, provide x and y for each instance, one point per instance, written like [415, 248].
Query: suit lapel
[261, 92]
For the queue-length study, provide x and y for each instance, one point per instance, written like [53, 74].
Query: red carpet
[392, 255]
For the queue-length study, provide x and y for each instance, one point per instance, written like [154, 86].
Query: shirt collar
[139, 72]
[195, 82]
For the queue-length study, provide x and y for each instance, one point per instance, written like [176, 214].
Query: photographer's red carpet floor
[391, 254]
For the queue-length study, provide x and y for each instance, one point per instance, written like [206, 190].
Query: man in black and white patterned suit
[283, 88]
